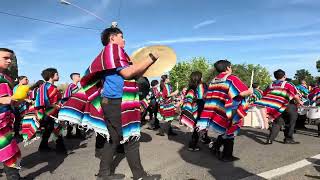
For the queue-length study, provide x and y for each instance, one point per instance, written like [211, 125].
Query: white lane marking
[284, 170]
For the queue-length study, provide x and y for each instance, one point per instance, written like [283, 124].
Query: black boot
[44, 146]
[227, 154]
[170, 132]
[11, 173]
[216, 145]
[60, 147]
[69, 131]
[205, 138]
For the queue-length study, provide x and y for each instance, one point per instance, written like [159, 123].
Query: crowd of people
[111, 102]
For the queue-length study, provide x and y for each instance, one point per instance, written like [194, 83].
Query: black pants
[301, 121]
[112, 114]
[153, 111]
[70, 129]
[11, 173]
[288, 118]
[48, 124]
[195, 135]
[17, 122]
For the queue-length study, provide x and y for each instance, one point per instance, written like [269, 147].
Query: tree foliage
[303, 74]
[244, 71]
[181, 72]
[318, 65]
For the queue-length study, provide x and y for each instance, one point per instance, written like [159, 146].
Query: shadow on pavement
[145, 137]
[1, 173]
[205, 159]
[308, 132]
[257, 136]
[52, 159]
[316, 165]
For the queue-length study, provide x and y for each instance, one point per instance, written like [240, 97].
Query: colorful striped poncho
[276, 98]
[201, 91]
[314, 96]
[33, 94]
[84, 107]
[257, 94]
[71, 89]
[167, 109]
[144, 104]
[304, 92]
[189, 112]
[224, 108]
[9, 150]
[46, 105]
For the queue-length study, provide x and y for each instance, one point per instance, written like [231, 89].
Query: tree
[261, 74]
[303, 74]
[180, 72]
[318, 65]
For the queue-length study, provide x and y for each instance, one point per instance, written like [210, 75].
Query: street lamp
[65, 2]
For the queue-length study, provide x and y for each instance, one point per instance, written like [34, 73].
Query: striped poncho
[46, 105]
[84, 107]
[167, 108]
[189, 113]
[276, 98]
[71, 89]
[224, 108]
[9, 150]
[201, 91]
[314, 96]
[257, 94]
[33, 94]
[304, 92]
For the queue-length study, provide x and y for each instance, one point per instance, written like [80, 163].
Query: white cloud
[22, 45]
[299, 58]
[229, 38]
[204, 23]
[303, 2]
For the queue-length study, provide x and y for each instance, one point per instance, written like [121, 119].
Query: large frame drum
[256, 118]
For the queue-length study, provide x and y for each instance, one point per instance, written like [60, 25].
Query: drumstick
[251, 81]
[53, 117]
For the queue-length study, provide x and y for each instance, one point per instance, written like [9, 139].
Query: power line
[49, 22]
[119, 10]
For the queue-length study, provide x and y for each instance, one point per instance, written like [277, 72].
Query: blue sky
[274, 33]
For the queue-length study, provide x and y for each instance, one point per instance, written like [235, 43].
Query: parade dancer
[9, 150]
[47, 105]
[167, 109]
[108, 103]
[190, 109]
[280, 111]
[224, 109]
[71, 89]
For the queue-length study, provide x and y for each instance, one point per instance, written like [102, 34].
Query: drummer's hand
[154, 56]
[301, 103]
[28, 100]
[250, 91]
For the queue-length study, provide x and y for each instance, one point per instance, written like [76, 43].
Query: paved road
[170, 158]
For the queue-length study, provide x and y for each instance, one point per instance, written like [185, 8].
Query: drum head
[167, 59]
